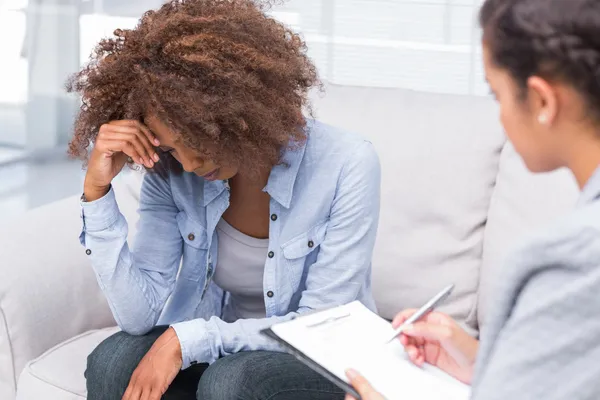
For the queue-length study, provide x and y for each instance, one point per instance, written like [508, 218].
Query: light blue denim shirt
[324, 213]
[541, 339]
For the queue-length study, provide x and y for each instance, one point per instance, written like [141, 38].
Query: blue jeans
[256, 375]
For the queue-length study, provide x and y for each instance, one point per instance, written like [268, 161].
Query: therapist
[542, 338]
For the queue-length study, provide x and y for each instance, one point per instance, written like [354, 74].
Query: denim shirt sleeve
[136, 283]
[341, 272]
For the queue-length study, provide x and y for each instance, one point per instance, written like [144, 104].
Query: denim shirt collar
[591, 190]
[283, 176]
[212, 189]
[280, 185]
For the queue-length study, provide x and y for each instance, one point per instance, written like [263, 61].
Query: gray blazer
[542, 338]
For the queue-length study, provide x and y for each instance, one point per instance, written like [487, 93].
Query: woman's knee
[111, 364]
[259, 375]
[228, 378]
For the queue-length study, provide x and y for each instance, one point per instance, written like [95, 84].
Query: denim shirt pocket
[195, 247]
[301, 251]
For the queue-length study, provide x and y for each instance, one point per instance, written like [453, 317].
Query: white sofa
[455, 198]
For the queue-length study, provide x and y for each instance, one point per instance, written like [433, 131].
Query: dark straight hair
[554, 39]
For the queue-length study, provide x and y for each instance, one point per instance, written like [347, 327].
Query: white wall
[424, 45]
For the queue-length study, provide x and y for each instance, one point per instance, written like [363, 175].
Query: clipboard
[312, 364]
[353, 336]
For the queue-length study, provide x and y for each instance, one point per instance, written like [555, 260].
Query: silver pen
[428, 307]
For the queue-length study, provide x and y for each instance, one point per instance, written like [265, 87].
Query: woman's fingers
[132, 390]
[149, 135]
[116, 146]
[143, 138]
[362, 386]
[405, 340]
[147, 139]
[145, 395]
[413, 353]
[138, 134]
[423, 331]
[414, 340]
[129, 137]
[140, 126]
[136, 393]
[432, 317]
[403, 316]
[151, 393]
[126, 133]
[146, 155]
[416, 354]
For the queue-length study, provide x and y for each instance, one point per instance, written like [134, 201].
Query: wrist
[94, 192]
[468, 345]
[174, 340]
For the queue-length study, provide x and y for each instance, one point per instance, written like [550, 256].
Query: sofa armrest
[48, 291]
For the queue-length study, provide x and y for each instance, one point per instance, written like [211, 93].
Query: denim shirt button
[271, 254]
[311, 244]
[88, 252]
[191, 236]
[270, 294]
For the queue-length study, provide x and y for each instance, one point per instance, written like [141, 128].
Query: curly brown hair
[230, 81]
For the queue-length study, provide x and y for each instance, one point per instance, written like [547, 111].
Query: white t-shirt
[240, 270]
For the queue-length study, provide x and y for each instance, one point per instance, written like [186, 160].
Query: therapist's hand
[438, 340]
[362, 386]
[157, 370]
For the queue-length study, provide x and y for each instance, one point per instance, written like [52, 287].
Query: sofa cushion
[521, 202]
[48, 291]
[439, 157]
[58, 373]
[8, 383]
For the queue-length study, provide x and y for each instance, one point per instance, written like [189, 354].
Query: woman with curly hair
[250, 214]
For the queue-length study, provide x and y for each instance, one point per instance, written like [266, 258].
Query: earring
[543, 119]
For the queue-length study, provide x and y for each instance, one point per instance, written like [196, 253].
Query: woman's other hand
[157, 370]
[362, 386]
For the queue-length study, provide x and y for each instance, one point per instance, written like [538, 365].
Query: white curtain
[425, 45]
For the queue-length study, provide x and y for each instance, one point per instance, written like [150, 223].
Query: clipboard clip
[328, 320]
